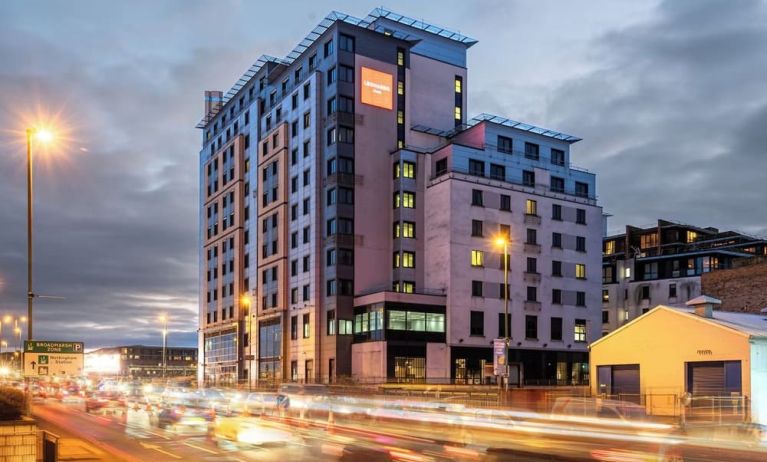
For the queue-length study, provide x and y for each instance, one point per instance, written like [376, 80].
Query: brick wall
[742, 288]
[18, 441]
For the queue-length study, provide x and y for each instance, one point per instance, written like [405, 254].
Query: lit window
[408, 229]
[580, 330]
[627, 273]
[397, 227]
[396, 260]
[692, 236]
[531, 207]
[400, 88]
[408, 287]
[580, 271]
[408, 170]
[458, 84]
[408, 200]
[400, 117]
[457, 113]
[400, 58]
[477, 258]
[408, 259]
[609, 247]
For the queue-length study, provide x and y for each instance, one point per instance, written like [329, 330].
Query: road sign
[53, 359]
[499, 357]
[44, 346]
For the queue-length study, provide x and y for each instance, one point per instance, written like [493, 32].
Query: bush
[12, 403]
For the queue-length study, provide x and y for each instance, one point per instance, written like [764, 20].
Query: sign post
[44, 358]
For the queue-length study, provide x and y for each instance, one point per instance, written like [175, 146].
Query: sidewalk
[72, 448]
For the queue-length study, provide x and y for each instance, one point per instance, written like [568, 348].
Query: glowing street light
[43, 136]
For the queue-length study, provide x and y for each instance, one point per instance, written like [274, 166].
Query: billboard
[499, 357]
[376, 88]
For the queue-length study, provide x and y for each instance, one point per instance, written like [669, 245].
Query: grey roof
[485, 117]
[703, 299]
[754, 325]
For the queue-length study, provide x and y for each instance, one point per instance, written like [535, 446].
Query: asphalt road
[134, 436]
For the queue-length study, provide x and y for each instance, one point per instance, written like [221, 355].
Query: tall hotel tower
[348, 213]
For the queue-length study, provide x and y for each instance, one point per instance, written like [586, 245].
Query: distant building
[740, 288]
[141, 361]
[663, 265]
[695, 360]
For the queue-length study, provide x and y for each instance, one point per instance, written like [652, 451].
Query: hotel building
[347, 196]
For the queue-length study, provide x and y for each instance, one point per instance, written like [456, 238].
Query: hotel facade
[348, 209]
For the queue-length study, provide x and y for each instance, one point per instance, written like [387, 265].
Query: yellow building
[694, 359]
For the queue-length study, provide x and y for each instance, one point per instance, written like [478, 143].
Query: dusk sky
[669, 98]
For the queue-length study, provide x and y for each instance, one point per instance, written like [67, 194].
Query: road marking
[157, 448]
[201, 449]
[157, 434]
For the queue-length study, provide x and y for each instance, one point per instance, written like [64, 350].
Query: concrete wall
[653, 342]
[739, 289]
[369, 361]
[437, 361]
[18, 441]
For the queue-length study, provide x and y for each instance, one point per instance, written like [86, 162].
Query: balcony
[532, 305]
[532, 277]
[532, 219]
[532, 248]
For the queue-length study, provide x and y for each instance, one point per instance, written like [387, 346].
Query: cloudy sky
[669, 97]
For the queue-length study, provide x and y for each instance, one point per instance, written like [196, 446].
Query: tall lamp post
[43, 136]
[164, 320]
[245, 302]
[503, 242]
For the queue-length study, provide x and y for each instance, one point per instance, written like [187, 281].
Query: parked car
[265, 403]
[598, 408]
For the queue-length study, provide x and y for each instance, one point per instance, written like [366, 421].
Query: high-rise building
[345, 193]
[663, 264]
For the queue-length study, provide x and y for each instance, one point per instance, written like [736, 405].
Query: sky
[668, 96]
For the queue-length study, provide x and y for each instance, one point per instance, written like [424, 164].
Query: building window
[557, 156]
[294, 327]
[331, 327]
[306, 292]
[580, 298]
[556, 328]
[556, 212]
[408, 169]
[581, 189]
[476, 288]
[458, 84]
[556, 268]
[477, 258]
[346, 43]
[400, 87]
[408, 229]
[528, 178]
[306, 324]
[498, 172]
[476, 228]
[672, 290]
[556, 296]
[557, 184]
[532, 294]
[605, 296]
[556, 240]
[532, 265]
[645, 292]
[580, 271]
[408, 259]
[504, 144]
[346, 74]
[328, 48]
[476, 167]
[580, 330]
[406, 200]
[532, 236]
[345, 327]
[505, 203]
[476, 197]
[504, 325]
[531, 207]
[477, 323]
[531, 327]
[580, 243]
[532, 151]
[605, 317]
[580, 216]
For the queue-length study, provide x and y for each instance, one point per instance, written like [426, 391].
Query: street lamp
[502, 241]
[42, 136]
[245, 302]
[164, 320]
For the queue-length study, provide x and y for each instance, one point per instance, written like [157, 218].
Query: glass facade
[269, 349]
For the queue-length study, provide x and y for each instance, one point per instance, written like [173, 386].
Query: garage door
[625, 380]
[713, 378]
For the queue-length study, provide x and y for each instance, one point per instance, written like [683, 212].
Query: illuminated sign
[376, 88]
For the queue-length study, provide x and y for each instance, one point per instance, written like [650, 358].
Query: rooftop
[754, 325]
[369, 22]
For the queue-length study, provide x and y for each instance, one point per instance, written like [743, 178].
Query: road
[133, 436]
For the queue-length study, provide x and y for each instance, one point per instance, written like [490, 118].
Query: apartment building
[663, 265]
[347, 213]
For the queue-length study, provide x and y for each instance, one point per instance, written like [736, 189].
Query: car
[265, 403]
[251, 431]
[104, 401]
[180, 416]
[742, 432]
[598, 408]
